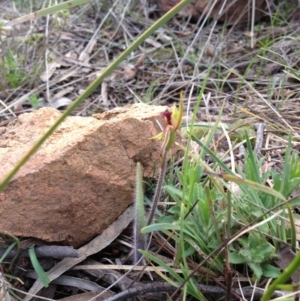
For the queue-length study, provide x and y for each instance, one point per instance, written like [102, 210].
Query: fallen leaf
[94, 246]
[47, 74]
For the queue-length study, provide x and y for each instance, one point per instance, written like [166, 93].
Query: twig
[59, 252]
[163, 287]
[260, 128]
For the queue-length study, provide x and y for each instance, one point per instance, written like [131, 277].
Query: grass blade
[38, 268]
[140, 219]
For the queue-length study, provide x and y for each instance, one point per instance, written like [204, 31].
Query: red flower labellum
[167, 116]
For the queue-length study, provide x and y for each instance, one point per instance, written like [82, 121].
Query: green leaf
[140, 218]
[251, 164]
[188, 251]
[160, 227]
[7, 251]
[166, 219]
[236, 258]
[162, 264]
[139, 198]
[286, 169]
[265, 251]
[176, 194]
[253, 185]
[276, 177]
[247, 253]
[37, 267]
[203, 208]
[270, 271]
[292, 186]
[175, 210]
[257, 270]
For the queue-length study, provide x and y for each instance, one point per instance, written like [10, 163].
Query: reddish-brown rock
[230, 11]
[82, 178]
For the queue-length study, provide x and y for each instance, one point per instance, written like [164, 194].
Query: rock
[234, 11]
[82, 178]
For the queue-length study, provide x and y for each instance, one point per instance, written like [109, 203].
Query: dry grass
[181, 55]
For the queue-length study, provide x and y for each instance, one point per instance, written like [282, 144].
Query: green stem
[140, 220]
[285, 275]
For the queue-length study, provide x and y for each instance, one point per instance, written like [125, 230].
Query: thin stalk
[283, 278]
[47, 11]
[157, 194]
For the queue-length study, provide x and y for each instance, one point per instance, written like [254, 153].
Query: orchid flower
[173, 120]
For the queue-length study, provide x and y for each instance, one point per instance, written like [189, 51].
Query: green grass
[211, 212]
[13, 74]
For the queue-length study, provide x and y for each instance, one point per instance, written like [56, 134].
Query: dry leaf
[94, 246]
[87, 296]
[285, 256]
[46, 75]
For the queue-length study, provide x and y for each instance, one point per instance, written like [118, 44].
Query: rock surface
[82, 178]
[234, 11]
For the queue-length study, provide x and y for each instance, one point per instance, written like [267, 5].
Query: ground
[250, 74]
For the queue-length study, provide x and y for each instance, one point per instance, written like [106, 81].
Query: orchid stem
[158, 188]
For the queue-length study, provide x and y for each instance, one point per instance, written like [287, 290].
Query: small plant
[12, 72]
[173, 121]
[209, 211]
[61, 19]
[35, 101]
[256, 252]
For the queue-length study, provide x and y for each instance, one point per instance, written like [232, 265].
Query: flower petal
[176, 117]
[159, 136]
